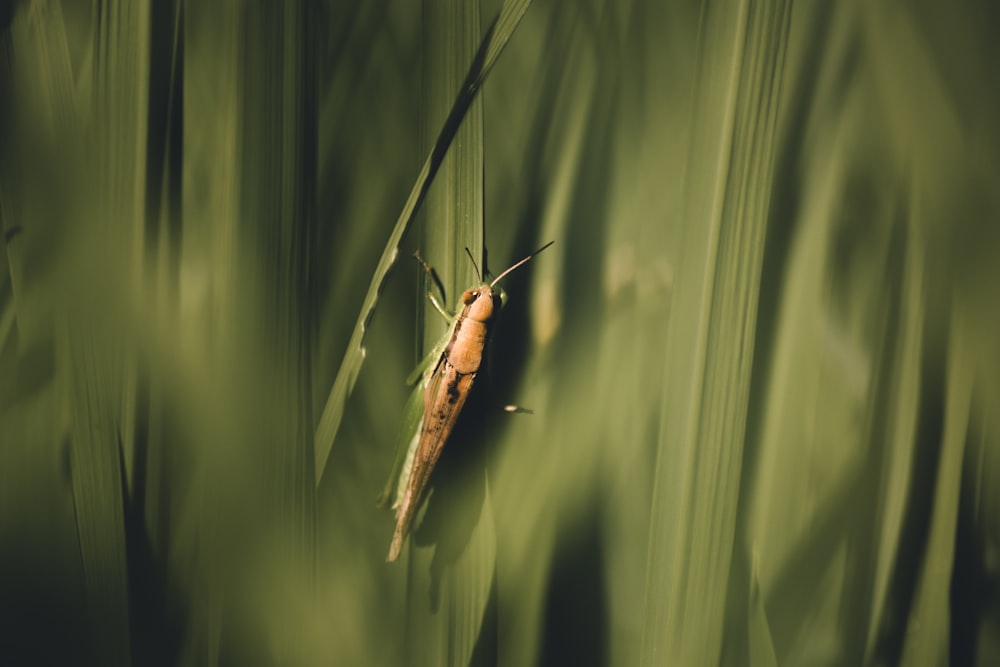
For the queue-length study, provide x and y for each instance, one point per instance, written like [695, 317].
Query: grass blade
[709, 350]
[930, 611]
[450, 581]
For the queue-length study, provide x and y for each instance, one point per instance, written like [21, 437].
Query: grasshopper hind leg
[512, 409]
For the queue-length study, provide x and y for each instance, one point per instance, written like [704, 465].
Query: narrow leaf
[457, 567]
[709, 353]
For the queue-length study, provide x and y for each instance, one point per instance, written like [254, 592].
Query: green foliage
[761, 354]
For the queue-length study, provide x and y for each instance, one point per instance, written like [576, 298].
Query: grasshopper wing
[443, 402]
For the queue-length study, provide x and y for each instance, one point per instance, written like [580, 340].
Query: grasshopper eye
[475, 295]
[501, 299]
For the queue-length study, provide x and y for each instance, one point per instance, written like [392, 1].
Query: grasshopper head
[482, 303]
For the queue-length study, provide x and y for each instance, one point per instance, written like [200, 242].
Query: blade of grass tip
[333, 411]
[711, 332]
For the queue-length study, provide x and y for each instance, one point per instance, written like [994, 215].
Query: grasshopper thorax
[481, 303]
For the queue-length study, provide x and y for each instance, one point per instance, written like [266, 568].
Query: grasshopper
[447, 375]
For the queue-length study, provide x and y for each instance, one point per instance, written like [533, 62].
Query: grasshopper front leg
[432, 274]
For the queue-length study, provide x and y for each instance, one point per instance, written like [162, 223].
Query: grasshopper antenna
[474, 265]
[486, 264]
[521, 263]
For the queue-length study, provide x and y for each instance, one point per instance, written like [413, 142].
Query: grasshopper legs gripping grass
[446, 378]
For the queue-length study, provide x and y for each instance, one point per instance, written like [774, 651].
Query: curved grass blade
[489, 50]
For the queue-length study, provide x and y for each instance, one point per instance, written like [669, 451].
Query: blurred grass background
[762, 354]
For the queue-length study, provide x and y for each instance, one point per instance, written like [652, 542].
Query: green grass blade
[457, 572]
[931, 611]
[97, 491]
[93, 364]
[211, 296]
[711, 332]
[277, 215]
[333, 411]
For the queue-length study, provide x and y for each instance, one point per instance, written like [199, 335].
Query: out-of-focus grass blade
[160, 255]
[277, 205]
[903, 420]
[107, 223]
[490, 49]
[41, 79]
[927, 642]
[97, 489]
[120, 104]
[535, 477]
[103, 375]
[209, 297]
[711, 332]
[274, 206]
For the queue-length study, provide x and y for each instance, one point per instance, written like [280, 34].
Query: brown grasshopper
[448, 373]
